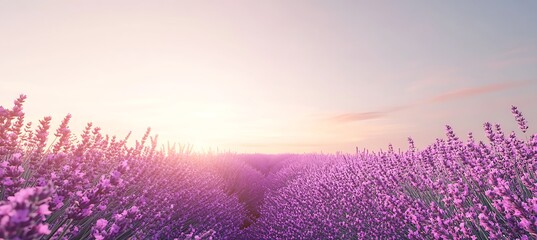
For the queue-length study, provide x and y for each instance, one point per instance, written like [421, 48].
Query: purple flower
[101, 224]
[22, 216]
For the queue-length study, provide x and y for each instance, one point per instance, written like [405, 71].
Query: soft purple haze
[273, 76]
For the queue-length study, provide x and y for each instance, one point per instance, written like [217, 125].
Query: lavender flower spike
[522, 123]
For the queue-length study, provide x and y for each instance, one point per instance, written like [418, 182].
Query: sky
[273, 76]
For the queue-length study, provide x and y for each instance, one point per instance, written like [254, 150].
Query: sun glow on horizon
[268, 77]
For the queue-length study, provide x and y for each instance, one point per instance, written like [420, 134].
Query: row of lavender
[97, 187]
[452, 189]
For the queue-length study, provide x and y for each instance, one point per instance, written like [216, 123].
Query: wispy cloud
[467, 92]
[520, 55]
[447, 96]
[514, 61]
[517, 50]
[361, 116]
[434, 78]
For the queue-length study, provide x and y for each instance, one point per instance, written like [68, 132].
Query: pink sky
[272, 76]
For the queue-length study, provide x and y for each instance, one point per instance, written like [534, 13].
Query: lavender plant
[100, 188]
[449, 190]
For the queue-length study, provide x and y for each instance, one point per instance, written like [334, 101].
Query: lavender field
[268, 120]
[93, 186]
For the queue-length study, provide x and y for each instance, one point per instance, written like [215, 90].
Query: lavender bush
[95, 186]
[450, 190]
